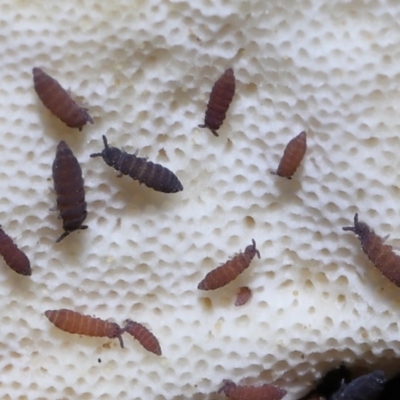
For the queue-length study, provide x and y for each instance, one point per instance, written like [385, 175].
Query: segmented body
[381, 255]
[243, 296]
[227, 272]
[74, 322]
[144, 336]
[366, 387]
[220, 99]
[58, 100]
[264, 392]
[153, 175]
[292, 156]
[68, 185]
[15, 258]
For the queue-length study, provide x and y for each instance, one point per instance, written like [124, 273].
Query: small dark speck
[99, 360]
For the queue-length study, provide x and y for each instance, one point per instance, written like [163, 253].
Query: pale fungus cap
[145, 70]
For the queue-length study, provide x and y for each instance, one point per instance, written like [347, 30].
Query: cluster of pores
[69, 189]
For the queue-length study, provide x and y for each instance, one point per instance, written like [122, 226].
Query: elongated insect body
[144, 336]
[58, 100]
[227, 272]
[243, 296]
[15, 258]
[366, 387]
[220, 99]
[68, 185]
[154, 176]
[264, 392]
[381, 255]
[292, 156]
[74, 322]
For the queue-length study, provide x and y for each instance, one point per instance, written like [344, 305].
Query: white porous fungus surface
[145, 69]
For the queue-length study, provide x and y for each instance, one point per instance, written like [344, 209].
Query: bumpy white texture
[145, 70]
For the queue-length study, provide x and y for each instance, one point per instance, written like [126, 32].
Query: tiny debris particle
[243, 296]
